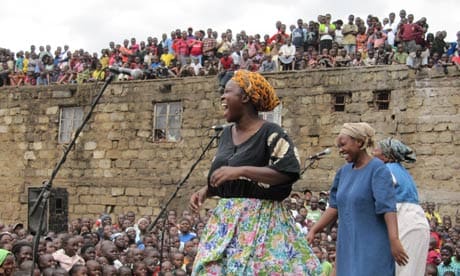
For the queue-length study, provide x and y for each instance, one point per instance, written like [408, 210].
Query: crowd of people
[370, 222]
[323, 43]
[124, 246]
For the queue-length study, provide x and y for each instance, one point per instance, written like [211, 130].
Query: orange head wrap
[260, 91]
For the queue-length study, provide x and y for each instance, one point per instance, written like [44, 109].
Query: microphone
[220, 127]
[135, 73]
[319, 154]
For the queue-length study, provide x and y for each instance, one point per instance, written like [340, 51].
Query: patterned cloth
[360, 131]
[396, 151]
[253, 237]
[260, 91]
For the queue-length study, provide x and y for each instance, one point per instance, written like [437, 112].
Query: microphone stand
[180, 184]
[312, 161]
[163, 230]
[42, 199]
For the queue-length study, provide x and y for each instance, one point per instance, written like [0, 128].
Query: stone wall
[116, 166]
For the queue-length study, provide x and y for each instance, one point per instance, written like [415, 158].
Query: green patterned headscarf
[3, 254]
[396, 151]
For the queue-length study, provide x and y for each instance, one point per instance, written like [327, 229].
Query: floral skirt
[253, 237]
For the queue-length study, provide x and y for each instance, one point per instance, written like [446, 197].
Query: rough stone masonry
[117, 164]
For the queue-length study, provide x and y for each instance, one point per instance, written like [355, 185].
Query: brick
[29, 155]
[117, 191]
[52, 110]
[116, 151]
[132, 191]
[91, 145]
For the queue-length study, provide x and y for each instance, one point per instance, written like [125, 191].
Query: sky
[92, 24]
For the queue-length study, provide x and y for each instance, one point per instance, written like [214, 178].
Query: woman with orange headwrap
[249, 231]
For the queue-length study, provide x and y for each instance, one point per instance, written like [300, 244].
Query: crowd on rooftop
[321, 43]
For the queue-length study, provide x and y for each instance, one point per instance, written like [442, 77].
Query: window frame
[75, 123]
[167, 130]
[276, 113]
[382, 104]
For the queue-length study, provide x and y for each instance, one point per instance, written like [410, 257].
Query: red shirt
[456, 59]
[180, 47]
[196, 47]
[433, 257]
[227, 62]
[410, 32]
[283, 37]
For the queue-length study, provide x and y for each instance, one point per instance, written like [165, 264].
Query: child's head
[431, 270]
[78, 270]
[177, 260]
[317, 239]
[109, 251]
[317, 250]
[446, 254]
[299, 218]
[179, 272]
[124, 271]
[93, 268]
[303, 212]
[167, 266]
[151, 264]
[109, 270]
[184, 225]
[45, 261]
[331, 251]
[139, 269]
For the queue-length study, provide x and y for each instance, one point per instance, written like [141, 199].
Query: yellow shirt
[25, 62]
[166, 58]
[104, 61]
[98, 75]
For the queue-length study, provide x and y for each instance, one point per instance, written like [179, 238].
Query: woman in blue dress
[362, 198]
[414, 231]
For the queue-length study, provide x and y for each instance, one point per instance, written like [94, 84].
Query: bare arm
[264, 175]
[397, 249]
[328, 216]
[198, 198]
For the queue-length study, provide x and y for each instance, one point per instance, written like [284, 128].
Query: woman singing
[249, 231]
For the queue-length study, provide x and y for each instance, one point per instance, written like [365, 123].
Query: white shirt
[196, 67]
[390, 33]
[286, 50]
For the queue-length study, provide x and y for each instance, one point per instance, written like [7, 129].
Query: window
[273, 116]
[70, 119]
[167, 121]
[382, 99]
[338, 102]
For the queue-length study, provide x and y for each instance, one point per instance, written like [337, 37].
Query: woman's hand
[224, 174]
[311, 236]
[398, 252]
[197, 199]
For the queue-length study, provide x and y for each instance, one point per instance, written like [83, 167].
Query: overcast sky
[91, 24]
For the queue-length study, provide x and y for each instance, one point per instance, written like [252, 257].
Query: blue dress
[406, 190]
[362, 197]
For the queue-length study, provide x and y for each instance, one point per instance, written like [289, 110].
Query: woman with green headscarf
[6, 262]
[414, 231]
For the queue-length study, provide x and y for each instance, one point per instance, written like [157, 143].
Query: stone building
[145, 135]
